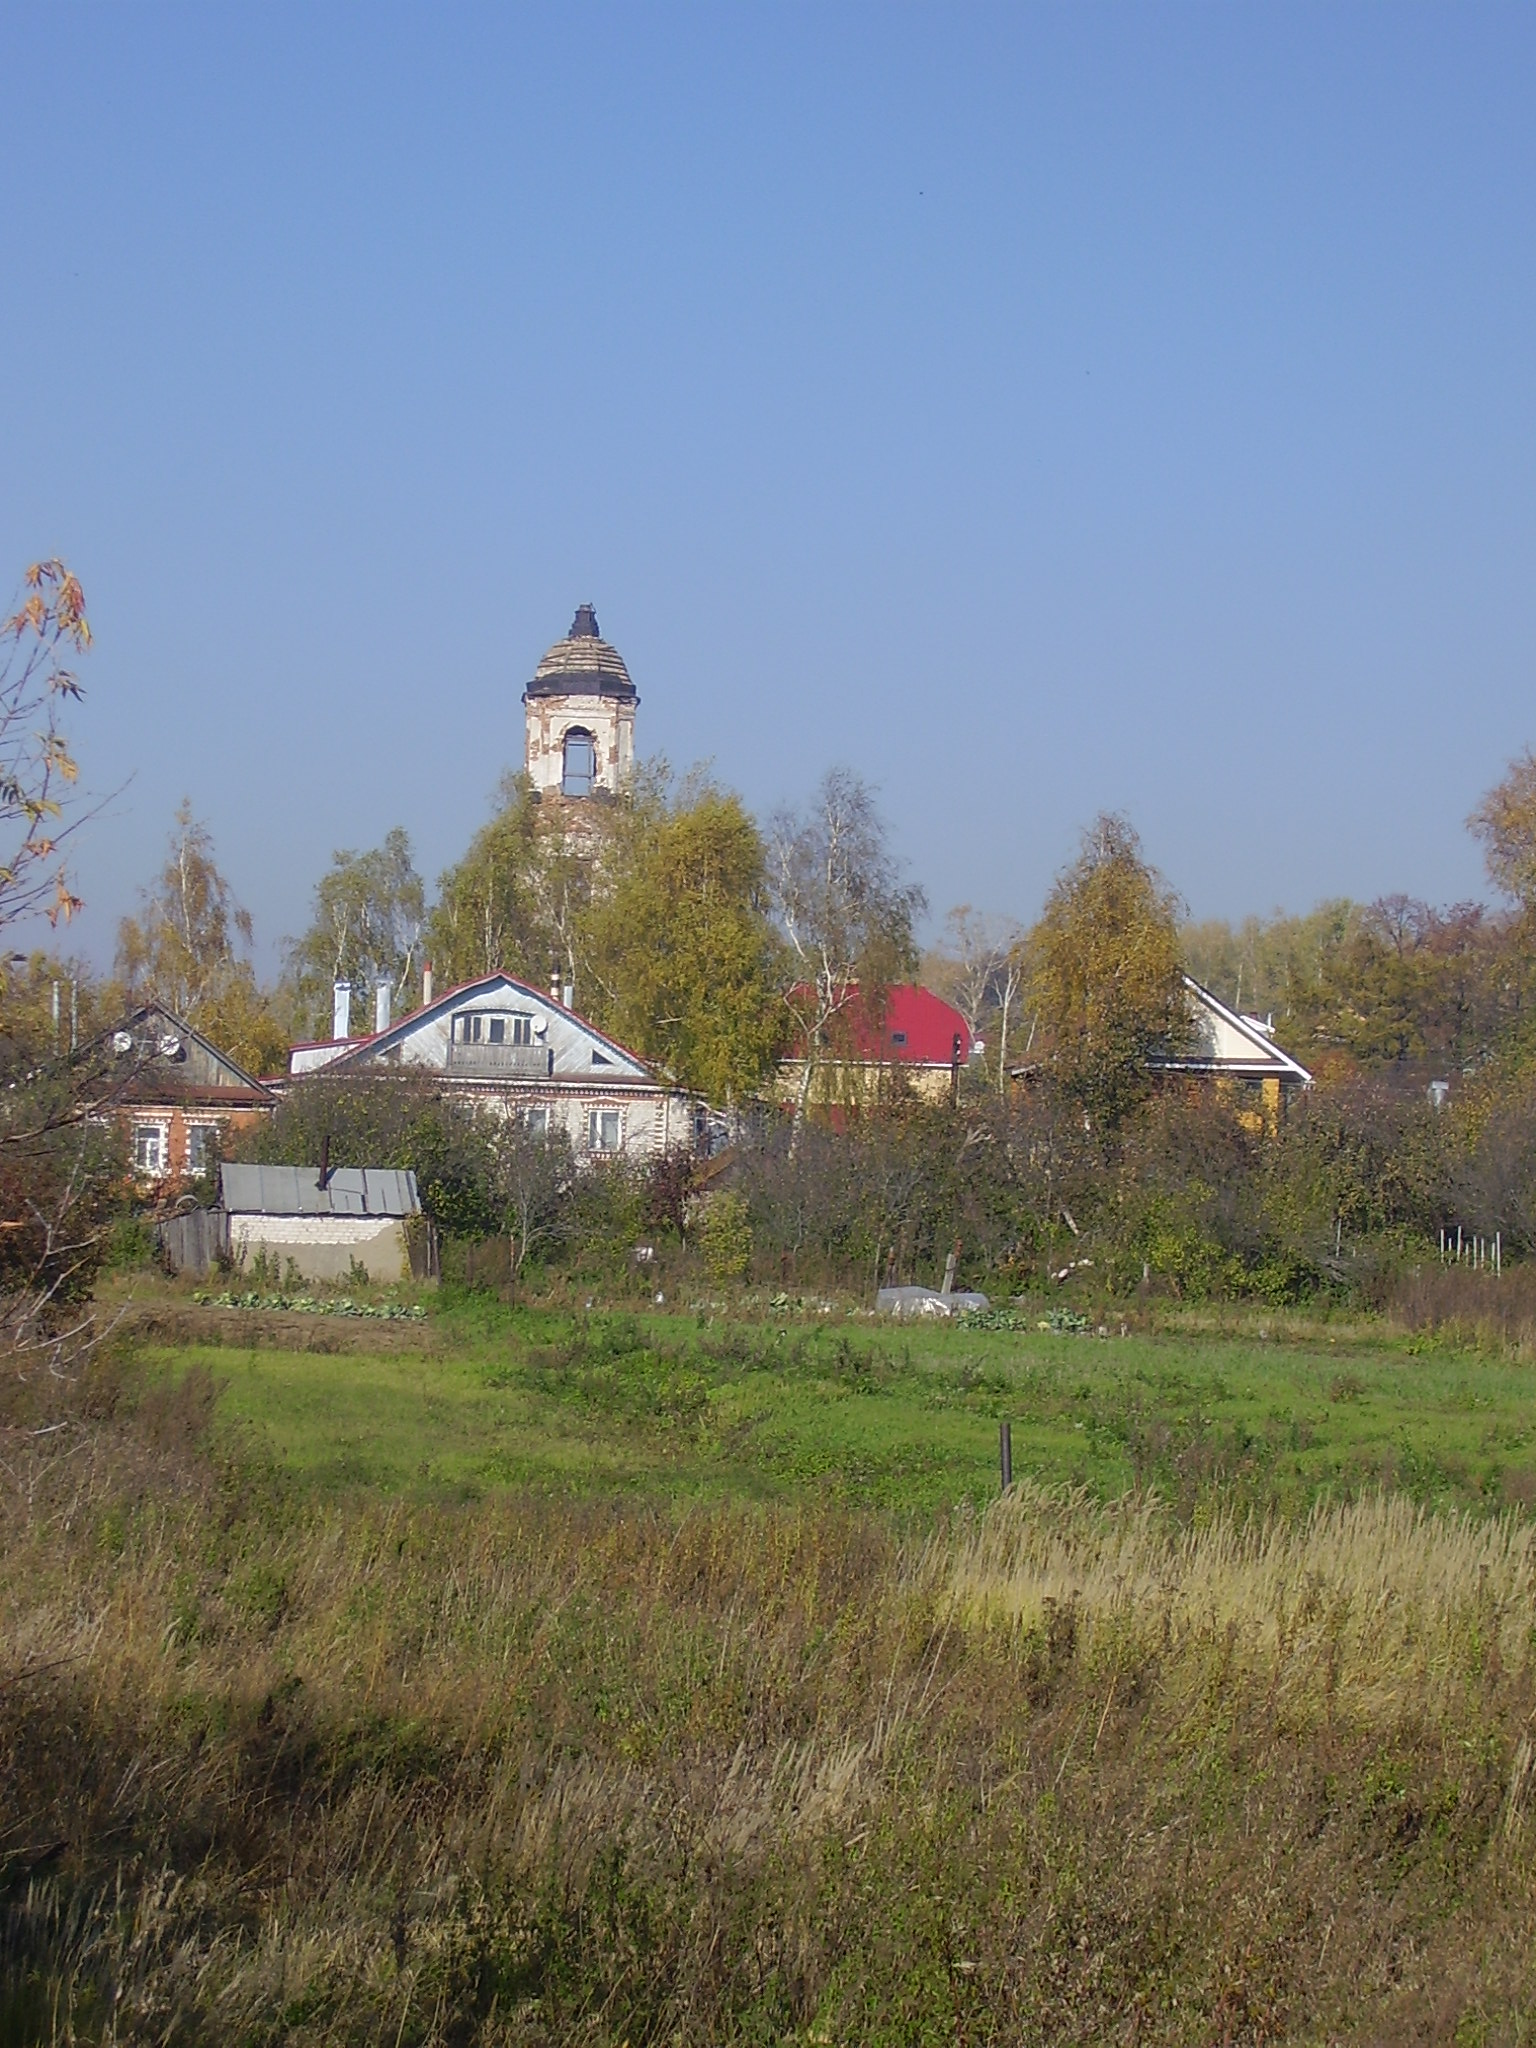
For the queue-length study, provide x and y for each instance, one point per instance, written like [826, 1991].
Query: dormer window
[492, 1027]
[579, 765]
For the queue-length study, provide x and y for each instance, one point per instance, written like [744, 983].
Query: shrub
[129, 1242]
[725, 1237]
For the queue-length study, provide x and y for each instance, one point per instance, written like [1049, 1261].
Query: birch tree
[512, 902]
[1505, 821]
[682, 957]
[1106, 973]
[846, 914]
[367, 926]
[187, 949]
[982, 966]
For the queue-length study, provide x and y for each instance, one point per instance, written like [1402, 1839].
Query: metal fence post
[1005, 1452]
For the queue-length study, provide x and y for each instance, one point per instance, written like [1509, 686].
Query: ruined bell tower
[579, 724]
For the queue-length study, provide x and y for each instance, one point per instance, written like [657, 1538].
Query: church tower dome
[579, 726]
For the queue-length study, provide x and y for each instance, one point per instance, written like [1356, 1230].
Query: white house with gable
[519, 1052]
[1238, 1052]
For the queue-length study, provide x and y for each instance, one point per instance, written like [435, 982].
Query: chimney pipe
[381, 1004]
[341, 1009]
[554, 981]
[568, 995]
[426, 984]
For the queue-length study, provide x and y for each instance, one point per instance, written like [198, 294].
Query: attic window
[491, 1027]
[898, 1038]
[579, 763]
[601, 1059]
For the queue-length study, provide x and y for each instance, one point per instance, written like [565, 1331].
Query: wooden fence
[193, 1242]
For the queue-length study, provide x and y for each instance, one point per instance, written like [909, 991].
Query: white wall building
[325, 1224]
[505, 1045]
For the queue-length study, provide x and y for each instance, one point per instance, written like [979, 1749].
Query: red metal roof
[918, 1028]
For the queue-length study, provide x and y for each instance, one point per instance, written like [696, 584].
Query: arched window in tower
[579, 764]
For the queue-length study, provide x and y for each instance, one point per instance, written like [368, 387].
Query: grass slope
[674, 1409]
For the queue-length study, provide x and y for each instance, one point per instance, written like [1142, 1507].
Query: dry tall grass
[1368, 1609]
[273, 1770]
[1493, 1310]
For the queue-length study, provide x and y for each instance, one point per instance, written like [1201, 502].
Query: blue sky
[1040, 409]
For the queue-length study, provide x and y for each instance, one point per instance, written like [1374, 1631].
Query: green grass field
[904, 1420]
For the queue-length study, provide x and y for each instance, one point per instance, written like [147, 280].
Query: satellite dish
[122, 1043]
[170, 1046]
[541, 1027]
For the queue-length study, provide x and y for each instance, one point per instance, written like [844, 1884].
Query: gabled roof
[363, 1051]
[1229, 1043]
[921, 1027]
[178, 1052]
[917, 1028]
[297, 1191]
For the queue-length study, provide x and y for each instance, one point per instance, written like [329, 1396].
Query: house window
[603, 1130]
[202, 1146]
[579, 764]
[536, 1122]
[151, 1149]
[898, 1038]
[485, 1027]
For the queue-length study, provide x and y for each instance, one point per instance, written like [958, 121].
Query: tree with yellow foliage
[36, 766]
[1505, 821]
[1105, 973]
[682, 961]
[58, 1153]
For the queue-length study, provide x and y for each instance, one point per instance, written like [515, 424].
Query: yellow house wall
[858, 1084]
[1259, 1112]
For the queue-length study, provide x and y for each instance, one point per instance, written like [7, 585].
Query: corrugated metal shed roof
[296, 1191]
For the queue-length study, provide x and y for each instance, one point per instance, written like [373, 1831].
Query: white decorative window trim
[152, 1149]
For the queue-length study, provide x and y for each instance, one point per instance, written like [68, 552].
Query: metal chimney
[381, 1004]
[341, 1010]
[426, 985]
